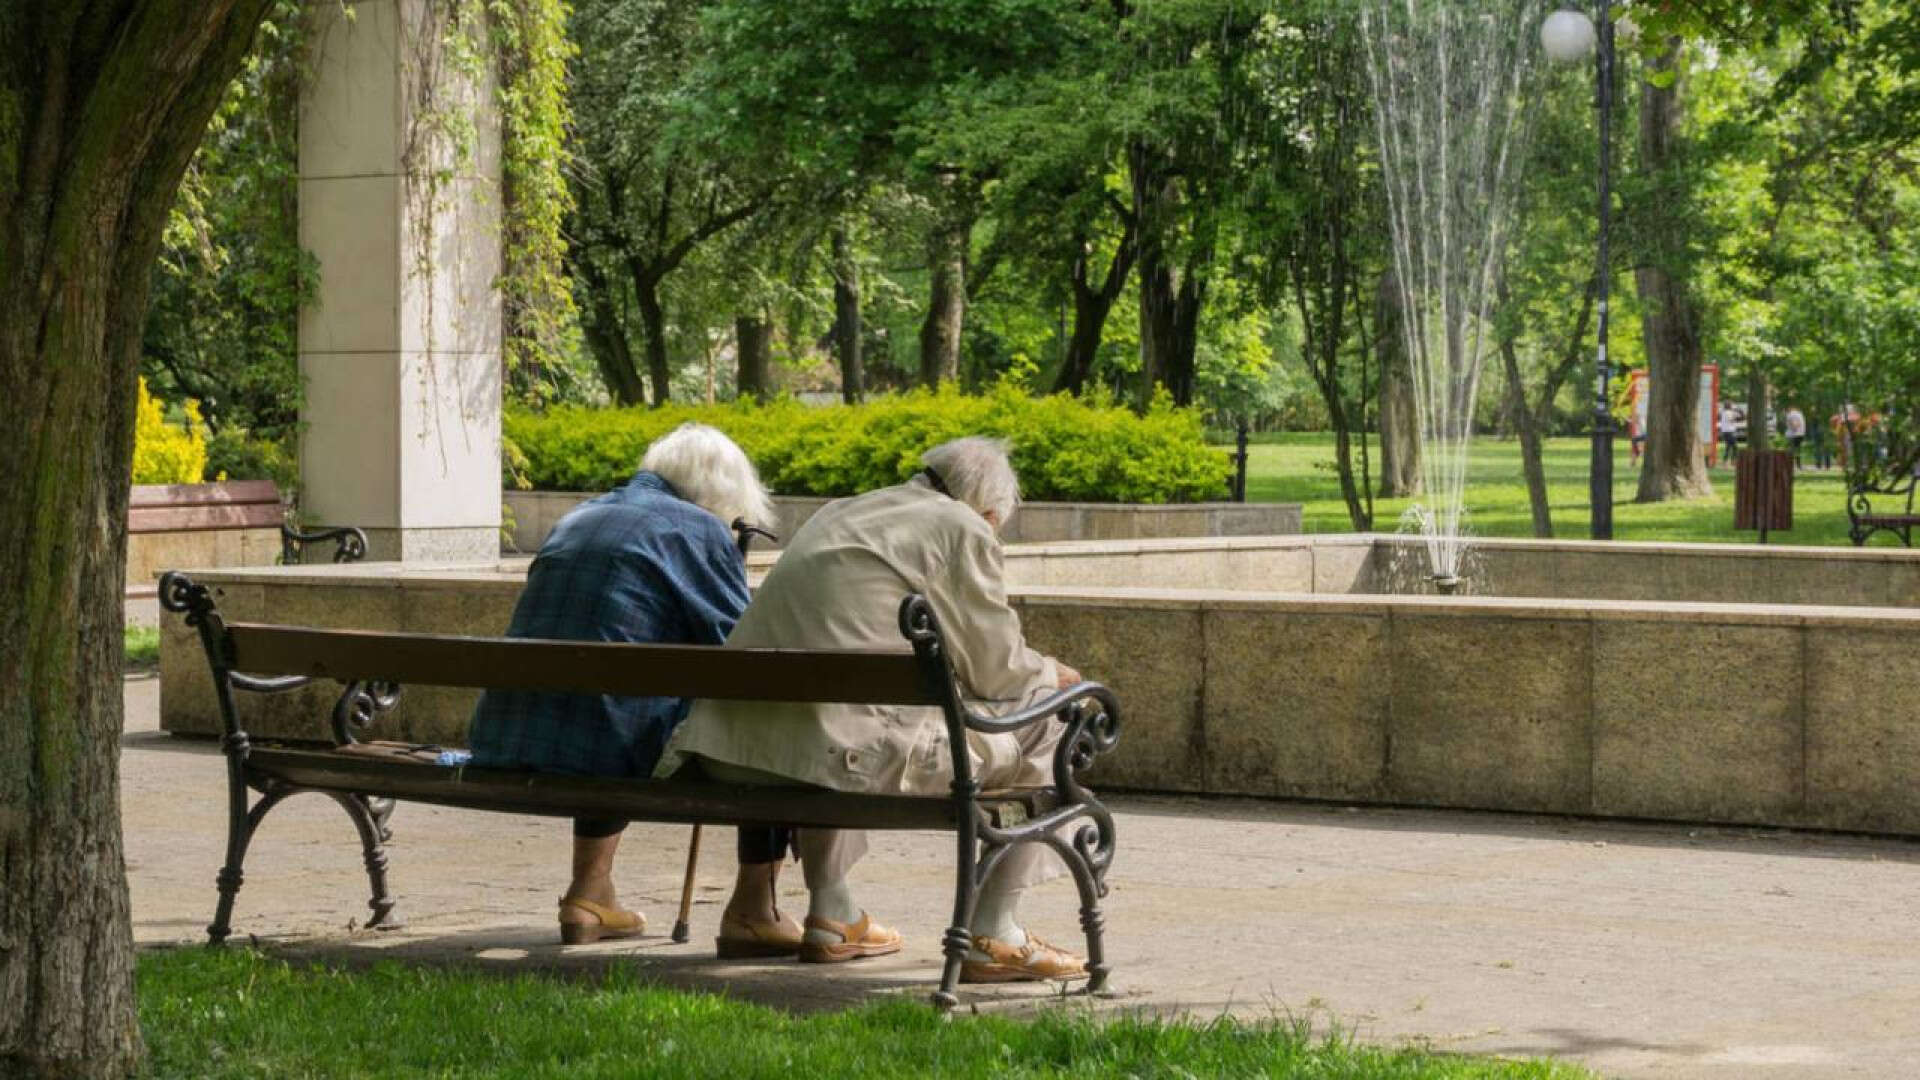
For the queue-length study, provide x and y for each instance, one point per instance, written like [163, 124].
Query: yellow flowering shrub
[164, 453]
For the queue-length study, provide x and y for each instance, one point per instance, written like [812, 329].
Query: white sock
[833, 900]
[995, 915]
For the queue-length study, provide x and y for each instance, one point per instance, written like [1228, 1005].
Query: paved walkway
[1653, 951]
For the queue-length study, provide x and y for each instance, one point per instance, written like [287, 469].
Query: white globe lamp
[1568, 36]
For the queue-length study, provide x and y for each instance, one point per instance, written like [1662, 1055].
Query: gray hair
[977, 472]
[712, 472]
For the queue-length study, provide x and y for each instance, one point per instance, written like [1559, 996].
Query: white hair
[712, 472]
[977, 472]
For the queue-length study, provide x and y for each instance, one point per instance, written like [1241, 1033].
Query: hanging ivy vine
[531, 49]
[527, 44]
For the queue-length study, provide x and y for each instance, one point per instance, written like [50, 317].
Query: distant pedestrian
[1796, 431]
[1729, 430]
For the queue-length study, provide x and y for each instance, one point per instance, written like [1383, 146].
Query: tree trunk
[1170, 302]
[1153, 196]
[946, 302]
[1171, 294]
[753, 349]
[607, 339]
[1529, 418]
[1322, 307]
[846, 319]
[1399, 414]
[1526, 425]
[103, 110]
[653, 324]
[1091, 306]
[1675, 466]
[1759, 430]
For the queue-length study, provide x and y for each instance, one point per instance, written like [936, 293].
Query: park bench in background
[230, 523]
[233, 505]
[372, 668]
[1893, 512]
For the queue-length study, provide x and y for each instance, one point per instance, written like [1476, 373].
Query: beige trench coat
[839, 585]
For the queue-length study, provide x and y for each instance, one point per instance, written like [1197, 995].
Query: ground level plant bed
[239, 1013]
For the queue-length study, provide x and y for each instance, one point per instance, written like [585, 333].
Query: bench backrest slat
[224, 493]
[865, 678]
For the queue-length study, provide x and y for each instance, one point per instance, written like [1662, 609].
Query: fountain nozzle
[1447, 584]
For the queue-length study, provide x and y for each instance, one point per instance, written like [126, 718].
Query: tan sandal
[1033, 962]
[614, 922]
[862, 939]
[741, 940]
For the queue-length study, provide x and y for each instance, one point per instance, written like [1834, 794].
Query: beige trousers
[1020, 759]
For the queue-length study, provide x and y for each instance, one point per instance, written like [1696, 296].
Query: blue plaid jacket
[637, 564]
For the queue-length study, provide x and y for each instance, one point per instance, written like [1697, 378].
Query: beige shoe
[1032, 962]
[741, 939]
[611, 922]
[862, 939]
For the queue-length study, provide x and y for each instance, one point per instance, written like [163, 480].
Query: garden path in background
[1638, 950]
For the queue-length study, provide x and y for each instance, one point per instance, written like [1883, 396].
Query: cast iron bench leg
[369, 819]
[371, 822]
[241, 822]
[1092, 923]
[966, 887]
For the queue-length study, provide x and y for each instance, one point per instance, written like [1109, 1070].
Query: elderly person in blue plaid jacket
[652, 561]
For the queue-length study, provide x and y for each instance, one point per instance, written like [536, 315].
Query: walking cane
[745, 533]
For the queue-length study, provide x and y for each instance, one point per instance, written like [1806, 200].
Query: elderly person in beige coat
[839, 585]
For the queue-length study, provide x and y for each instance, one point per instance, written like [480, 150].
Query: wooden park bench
[230, 523]
[373, 666]
[1864, 518]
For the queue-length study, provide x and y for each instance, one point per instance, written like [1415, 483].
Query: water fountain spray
[1450, 83]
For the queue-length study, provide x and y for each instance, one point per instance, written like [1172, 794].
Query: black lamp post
[1569, 35]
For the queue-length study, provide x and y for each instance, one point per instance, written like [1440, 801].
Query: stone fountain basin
[1732, 684]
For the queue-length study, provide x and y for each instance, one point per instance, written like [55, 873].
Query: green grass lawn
[1298, 467]
[235, 1013]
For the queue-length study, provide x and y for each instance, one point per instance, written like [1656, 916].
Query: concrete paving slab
[1637, 950]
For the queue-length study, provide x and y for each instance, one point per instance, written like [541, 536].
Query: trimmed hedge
[1065, 449]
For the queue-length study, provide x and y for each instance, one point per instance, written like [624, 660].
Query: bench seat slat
[853, 677]
[677, 801]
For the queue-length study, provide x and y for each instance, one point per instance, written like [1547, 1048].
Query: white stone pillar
[400, 349]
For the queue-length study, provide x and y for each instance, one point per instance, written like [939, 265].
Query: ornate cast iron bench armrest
[350, 544]
[1051, 705]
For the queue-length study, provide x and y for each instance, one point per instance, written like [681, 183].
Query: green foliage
[234, 453]
[231, 274]
[1063, 448]
[214, 1014]
[531, 50]
[165, 453]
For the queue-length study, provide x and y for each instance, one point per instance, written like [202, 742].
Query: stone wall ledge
[1709, 549]
[1728, 713]
[534, 513]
